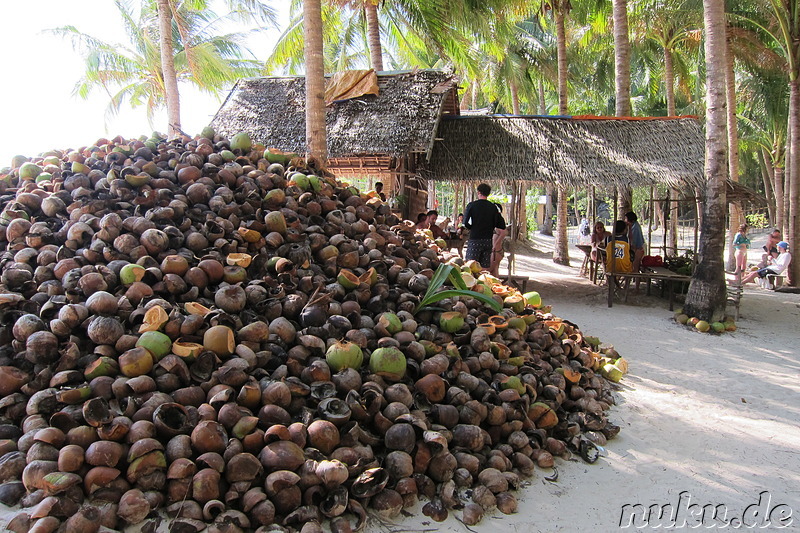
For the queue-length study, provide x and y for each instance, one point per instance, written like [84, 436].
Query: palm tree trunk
[778, 187]
[669, 90]
[735, 215]
[171, 94]
[767, 172]
[547, 226]
[373, 35]
[560, 249]
[316, 134]
[622, 58]
[514, 97]
[794, 184]
[622, 80]
[707, 294]
[542, 102]
[669, 82]
[561, 50]
[674, 213]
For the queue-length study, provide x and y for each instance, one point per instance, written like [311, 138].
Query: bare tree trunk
[794, 184]
[735, 216]
[316, 133]
[669, 82]
[514, 97]
[373, 35]
[707, 293]
[474, 95]
[787, 186]
[542, 102]
[561, 249]
[767, 172]
[171, 93]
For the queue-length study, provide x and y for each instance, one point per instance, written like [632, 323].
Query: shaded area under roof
[401, 119]
[573, 152]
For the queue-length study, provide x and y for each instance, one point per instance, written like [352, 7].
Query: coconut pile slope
[194, 332]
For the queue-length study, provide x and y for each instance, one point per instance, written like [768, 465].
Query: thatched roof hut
[400, 120]
[569, 151]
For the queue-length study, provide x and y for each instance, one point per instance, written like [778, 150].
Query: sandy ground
[706, 419]
[711, 418]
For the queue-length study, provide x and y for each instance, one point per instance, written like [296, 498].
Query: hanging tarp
[349, 84]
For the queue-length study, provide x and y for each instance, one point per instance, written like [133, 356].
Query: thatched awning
[574, 152]
[401, 119]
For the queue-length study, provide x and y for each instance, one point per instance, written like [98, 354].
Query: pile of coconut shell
[203, 332]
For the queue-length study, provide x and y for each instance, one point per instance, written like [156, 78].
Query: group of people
[623, 251]
[775, 259]
[484, 222]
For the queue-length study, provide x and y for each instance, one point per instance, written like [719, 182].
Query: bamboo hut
[386, 137]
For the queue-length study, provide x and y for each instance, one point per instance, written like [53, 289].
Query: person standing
[481, 217]
[635, 239]
[740, 244]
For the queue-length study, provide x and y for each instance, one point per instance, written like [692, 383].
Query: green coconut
[131, 273]
[137, 180]
[157, 343]
[208, 133]
[513, 382]
[343, 354]
[611, 373]
[79, 168]
[730, 326]
[314, 183]
[44, 176]
[533, 298]
[681, 318]
[29, 171]
[241, 141]
[451, 321]
[389, 363]
[275, 221]
[391, 322]
[719, 327]
[702, 325]
[301, 180]
[347, 279]
[227, 155]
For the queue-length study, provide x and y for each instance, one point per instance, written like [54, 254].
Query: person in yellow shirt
[378, 192]
[618, 251]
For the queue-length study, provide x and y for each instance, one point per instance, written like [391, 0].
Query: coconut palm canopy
[569, 151]
[400, 120]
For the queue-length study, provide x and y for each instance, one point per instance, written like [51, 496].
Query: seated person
[456, 229]
[600, 240]
[777, 266]
[378, 192]
[770, 248]
[618, 252]
[422, 221]
[438, 233]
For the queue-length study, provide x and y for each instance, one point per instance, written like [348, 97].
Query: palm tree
[707, 294]
[134, 73]
[622, 80]
[171, 95]
[316, 133]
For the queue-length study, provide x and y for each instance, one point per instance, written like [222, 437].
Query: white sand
[715, 415]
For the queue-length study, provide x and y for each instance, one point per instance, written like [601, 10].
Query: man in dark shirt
[481, 218]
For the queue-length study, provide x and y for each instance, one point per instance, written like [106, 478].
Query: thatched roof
[400, 120]
[570, 151]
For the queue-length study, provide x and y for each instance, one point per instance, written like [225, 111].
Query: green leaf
[456, 279]
[450, 293]
[439, 277]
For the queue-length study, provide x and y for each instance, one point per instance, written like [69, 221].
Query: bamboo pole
[650, 224]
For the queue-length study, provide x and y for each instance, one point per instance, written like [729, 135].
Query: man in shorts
[481, 217]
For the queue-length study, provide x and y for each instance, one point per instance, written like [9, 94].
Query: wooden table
[589, 266]
[668, 277]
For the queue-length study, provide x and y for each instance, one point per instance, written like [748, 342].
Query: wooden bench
[668, 278]
[520, 282]
[774, 281]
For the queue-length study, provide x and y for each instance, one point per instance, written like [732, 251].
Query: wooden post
[650, 223]
[513, 207]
